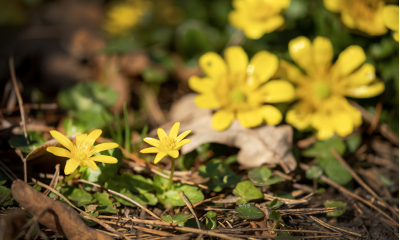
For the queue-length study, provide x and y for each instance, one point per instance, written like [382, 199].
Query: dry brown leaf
[258, 146]
[53, 214]
[11, 224]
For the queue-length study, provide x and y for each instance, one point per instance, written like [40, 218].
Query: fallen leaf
[55, 215]
[13, 222]
[258, 146]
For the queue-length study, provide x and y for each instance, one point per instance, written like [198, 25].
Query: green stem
[171, 174]
[70, 177]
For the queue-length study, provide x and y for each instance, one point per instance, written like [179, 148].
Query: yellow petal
[273, 23]
[278, 91]
[80, 139]
[181, 143]
[271, 114]
[342, 123]
[183, 135]
[333, 5]
[281, 3]
[102, 147]
[322, 53]
[396, 36]
[348, 20]
[323, 124]
[290, 72]
[323, 134]
[208, 100]
[91, 164]
[152, 141]
[159, 156]
[390, 14]
[299, 116]
[150, 150]
[201, 85]
[300, 51]
[213, 65]
[222, 119]
[262, 66]
[71, 165]
[237, 61]
[256, 29]
[251, 118]
[362, 76]
[104, 159]
[62, 139]
[161, 133]
[61, 152]
[173, 133]
[91, 138]
[365, 91]
[349, 60]
[173, 153]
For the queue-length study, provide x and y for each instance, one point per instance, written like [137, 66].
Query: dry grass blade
[347, 192]
[336, 229]
[285, 200]
[122, 196]
[307, 211]
[189, 205]
[359, 180]
[54, 180]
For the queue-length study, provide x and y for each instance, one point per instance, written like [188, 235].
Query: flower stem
[171, 174]
[67, 178]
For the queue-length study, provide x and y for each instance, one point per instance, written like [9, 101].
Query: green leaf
[211, 220]
[259, 176]
[172, 197]
[249, 211]
[353, 142]
[77, 195]
[3, 178]
[247, 191]
[180, 219]
[335, 204]
[314, 172]
[104, 170]
[275, 215]
[105, 204]
[321, 149]
[193, 224]
[154, 75]
[274, 179]
[4, 191]
[274, 204]
[335, 170]
[220, 175]
[167, 218]
[72, 126]
[137, 183]
[19, 142]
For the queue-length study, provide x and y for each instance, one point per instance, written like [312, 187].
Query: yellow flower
[81, 153]
[390, 15]
[364, 15]
[322, 89]
[125, 15]
[239, 88]
[168, 144]
[257, 17]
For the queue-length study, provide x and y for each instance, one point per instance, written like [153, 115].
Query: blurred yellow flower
[81, 153]
[168, 144]
[322, 89]
[364, 15]
[390, 15]
[238, 88]
[257, 17]
[126, 15]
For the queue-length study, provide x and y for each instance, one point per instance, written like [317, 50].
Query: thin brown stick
[122, 196]
[4, 198]
[7, 172]
[334, 228]
[285, 200]
[19, 153]
[189, 205]
[359, 180]
[28, 106]
[306, 211]
[20, 102]
[347, 192]
[375, 120]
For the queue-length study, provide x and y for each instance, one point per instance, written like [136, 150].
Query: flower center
[322, 90]
[168, 142]
[238, 96]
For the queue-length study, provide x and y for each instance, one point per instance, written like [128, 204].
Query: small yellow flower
[239, 88]
[257, 17]
[81, 153]
[364, 15]
[322, 89]
[125, 16]
[391, 19]
[168, 144]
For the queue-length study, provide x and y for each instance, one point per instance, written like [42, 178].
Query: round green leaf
[259, 176]
[248, 211]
